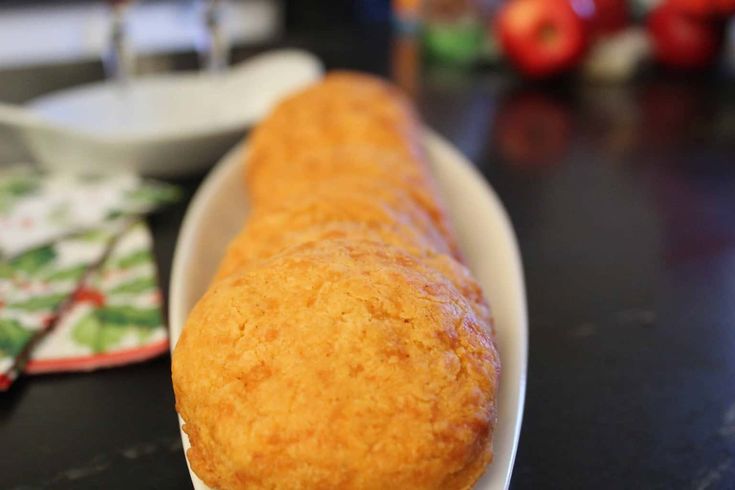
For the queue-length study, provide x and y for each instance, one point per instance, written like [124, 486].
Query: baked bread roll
[357, 169]
[340, 364]
[264, 238]
[268, 231]
[345, 108]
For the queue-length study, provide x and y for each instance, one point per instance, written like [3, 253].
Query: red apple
[608, 17]
[541, 37]
[704, 8]
[681, 40]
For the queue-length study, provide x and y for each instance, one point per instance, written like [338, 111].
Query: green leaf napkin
[114, 316]
[35, 286]
[78, 286]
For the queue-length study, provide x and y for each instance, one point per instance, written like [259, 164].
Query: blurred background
[574, 49]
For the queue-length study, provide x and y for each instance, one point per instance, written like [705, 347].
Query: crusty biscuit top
[344, 364]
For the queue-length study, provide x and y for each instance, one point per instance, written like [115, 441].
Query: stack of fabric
[342, 343]
[78, 285]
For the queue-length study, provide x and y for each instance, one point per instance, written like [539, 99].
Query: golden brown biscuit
[349, 96]
[356, 168]
[348, 126]
[462, 279]
[249, 246]
[336, 365]
[345, 108]
[271, 238]
[372, 206]
[298, 174]
[428, 261]
[416, 202]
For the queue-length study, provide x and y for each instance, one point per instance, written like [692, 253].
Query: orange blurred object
[405, 64]
[407, 10]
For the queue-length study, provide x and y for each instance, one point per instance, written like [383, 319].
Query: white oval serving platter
[486, 237]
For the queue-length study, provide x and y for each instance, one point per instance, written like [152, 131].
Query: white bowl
[486, 237]
[158, 125]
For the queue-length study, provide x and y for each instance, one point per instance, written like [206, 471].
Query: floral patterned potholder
[86, 295]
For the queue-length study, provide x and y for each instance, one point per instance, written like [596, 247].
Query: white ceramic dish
[219, 207]
[158, 125]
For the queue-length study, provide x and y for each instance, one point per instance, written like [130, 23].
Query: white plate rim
[435, 144]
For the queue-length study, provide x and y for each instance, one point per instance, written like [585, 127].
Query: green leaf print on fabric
[6, 271]
[15, 187]
[154, 194]
[18, 185]
[38, 303]
[85, 330]
[13, 337]
[73, 273]
[130, 316]
[136, 258]
[93, 333]
[103, 329]
[33, 261]
[97, 235]
[139, 285]
[114, 214]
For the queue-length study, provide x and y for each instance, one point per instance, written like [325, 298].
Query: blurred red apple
[704, 8]
[541, 37]
[608, 17]
[683, 41]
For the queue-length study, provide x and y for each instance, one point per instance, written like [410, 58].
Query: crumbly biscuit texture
[265, 238]
[359, 169]
[345, 108]
[340, 364]
[351, 132]
[394, 218]
[270, 239]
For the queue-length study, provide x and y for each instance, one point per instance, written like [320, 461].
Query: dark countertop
[623, 199]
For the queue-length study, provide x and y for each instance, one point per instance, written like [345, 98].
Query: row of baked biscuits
[342, 343]
[346, 150]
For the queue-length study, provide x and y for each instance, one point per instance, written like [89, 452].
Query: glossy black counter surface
[623, 199]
